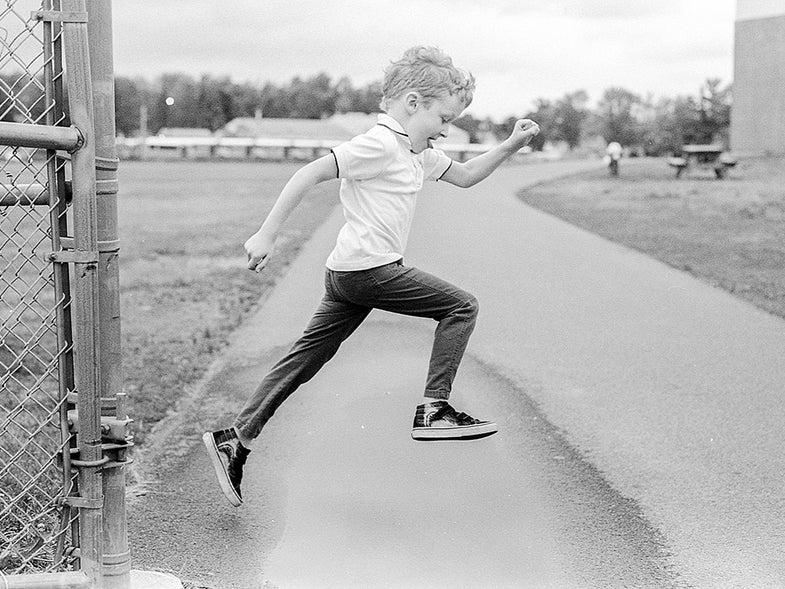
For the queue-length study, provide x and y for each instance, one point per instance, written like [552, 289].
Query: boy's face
[429, 122]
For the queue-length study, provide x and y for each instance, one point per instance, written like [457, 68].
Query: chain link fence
[37, 528]
[64, 432]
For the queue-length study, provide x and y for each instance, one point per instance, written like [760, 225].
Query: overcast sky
[519, 50]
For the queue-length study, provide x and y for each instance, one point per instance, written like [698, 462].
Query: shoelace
[447, 411]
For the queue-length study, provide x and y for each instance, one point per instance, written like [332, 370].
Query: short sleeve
[435, 163]
[363, 157]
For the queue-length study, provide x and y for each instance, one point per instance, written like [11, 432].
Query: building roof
[184, 132]
[753, 9]
[285, 129]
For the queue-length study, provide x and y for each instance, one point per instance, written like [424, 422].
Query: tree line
[178, 100]
[641, 123]
[646, 125]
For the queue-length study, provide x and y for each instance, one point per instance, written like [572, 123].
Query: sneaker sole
[220, 472]
[466, 432]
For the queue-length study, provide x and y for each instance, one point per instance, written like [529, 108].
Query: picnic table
[703, 157]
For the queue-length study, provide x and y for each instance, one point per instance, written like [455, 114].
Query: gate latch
[73, 257]
[59, 16]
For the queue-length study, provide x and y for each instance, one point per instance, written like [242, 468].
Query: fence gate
[62, 496]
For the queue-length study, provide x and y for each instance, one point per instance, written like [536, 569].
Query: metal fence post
[85, 303]
[117, 556]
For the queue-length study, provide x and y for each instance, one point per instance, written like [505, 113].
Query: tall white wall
[758, 112]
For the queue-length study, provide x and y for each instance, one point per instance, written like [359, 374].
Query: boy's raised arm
[478, 168]
[259, 246]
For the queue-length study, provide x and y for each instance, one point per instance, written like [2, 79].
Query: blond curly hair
[429, 71]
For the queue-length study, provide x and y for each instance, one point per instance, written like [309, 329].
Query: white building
[339, 127]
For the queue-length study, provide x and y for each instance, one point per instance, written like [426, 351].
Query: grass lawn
[729, 233]
[184, 286]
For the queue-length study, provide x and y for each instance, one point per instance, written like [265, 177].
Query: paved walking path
[639, 411]
[670, 387]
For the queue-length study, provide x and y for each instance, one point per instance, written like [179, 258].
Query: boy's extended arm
[478, 168]
[260, 245]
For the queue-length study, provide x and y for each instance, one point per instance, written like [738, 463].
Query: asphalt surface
[639, 414]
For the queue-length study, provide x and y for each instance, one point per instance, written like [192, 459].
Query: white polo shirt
[381, 177]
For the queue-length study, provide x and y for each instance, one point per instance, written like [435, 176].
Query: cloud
[612, 10]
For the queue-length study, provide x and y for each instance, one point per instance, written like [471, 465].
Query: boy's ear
[412, 101]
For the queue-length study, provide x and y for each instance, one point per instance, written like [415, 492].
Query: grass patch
[729, 233]
[184, 286]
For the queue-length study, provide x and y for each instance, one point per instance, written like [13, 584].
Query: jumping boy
[381, 173]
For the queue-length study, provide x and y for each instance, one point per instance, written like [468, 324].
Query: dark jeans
[349, 298]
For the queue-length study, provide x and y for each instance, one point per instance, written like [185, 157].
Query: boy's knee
[471, 305]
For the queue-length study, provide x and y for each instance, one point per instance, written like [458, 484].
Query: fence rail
[253, 147]
[41, 136]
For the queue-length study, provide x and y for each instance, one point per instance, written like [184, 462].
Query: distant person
[612, 156]
[381, 173]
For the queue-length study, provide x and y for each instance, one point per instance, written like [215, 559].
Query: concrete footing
[154, 580]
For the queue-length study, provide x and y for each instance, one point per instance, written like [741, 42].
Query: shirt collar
[393, 125]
